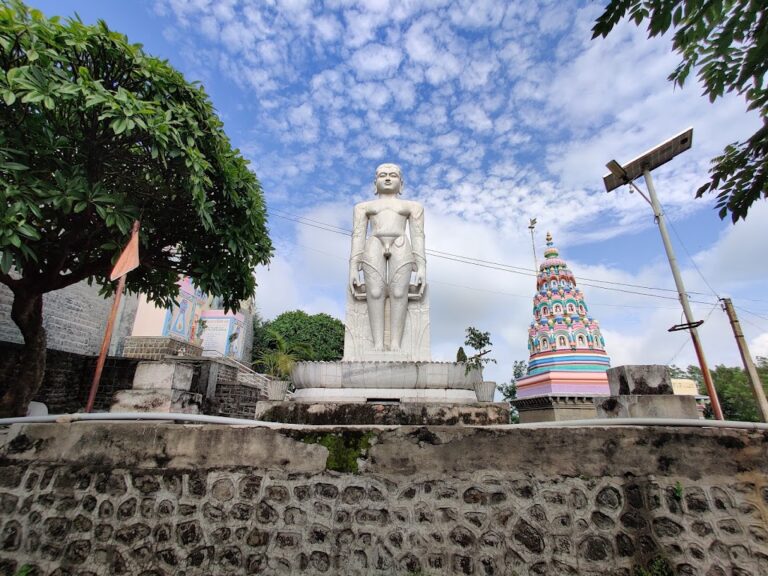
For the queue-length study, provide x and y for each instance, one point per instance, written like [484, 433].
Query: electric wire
[748, 321]
[440, 253]
[688, 340]
[498, 266]
[685, 249]
[502, 293]
[750, 312]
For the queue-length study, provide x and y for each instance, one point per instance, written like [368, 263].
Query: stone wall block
[639, 379]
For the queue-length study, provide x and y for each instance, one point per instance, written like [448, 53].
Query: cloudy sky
[498, 112]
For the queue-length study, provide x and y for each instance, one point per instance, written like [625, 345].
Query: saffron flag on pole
[129, 259]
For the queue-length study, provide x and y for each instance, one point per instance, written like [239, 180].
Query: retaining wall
[67, 378]
[119, 498]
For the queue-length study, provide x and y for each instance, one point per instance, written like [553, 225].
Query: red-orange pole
[711, 391]
[105, 344]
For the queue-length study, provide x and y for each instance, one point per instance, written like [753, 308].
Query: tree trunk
[27, 313]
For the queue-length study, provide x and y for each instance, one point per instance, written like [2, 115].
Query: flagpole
[105, 344]
[130, 253]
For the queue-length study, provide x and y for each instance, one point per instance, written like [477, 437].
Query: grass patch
[344, 448]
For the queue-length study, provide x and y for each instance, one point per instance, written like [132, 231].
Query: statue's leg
[401, 263]
[374, 271]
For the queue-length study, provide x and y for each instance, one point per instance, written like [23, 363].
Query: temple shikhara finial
[567, 350]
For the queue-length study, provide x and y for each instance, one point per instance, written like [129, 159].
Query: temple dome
[566, 346]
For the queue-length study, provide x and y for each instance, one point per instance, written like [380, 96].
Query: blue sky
[497, 112]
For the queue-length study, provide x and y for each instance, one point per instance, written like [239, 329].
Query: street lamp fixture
[625, 175]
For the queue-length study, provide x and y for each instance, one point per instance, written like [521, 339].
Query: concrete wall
[74, 319]
[149, 318]
[117, 498]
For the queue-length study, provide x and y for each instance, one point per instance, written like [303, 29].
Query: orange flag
[129, 259]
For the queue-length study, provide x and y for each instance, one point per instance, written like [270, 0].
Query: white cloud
[759, 346]
[499, 112]
[376, 60]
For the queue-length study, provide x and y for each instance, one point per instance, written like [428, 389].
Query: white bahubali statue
[393, 283]
[388, 257]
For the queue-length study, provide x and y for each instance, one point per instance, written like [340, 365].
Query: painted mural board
[182, 320]
[224, 334]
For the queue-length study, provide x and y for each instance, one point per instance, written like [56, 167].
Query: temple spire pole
[531, 226]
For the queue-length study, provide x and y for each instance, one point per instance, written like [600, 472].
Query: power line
[753, 314]
[748, 321]
[687, 341]
[591, 304]
[492, 265]
[695, 266]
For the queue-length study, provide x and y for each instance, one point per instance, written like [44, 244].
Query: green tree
[260, 336]
[733, 389]
[481, 342]
[509, 391]
[726, 43]
[319, 336]
[95, 134]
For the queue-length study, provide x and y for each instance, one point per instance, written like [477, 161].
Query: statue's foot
[378, 348]
[395, 348]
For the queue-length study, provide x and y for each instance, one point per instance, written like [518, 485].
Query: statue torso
[388, 216]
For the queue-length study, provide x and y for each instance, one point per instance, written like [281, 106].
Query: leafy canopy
[726, 42]
[313, 337]
[94, 134]
[734, 391]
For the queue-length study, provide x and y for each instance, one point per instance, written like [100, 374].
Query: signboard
[224, 334]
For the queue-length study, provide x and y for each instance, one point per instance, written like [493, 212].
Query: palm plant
[278, 362]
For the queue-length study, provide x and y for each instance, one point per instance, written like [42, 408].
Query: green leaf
[28, 231]
[9, 97]
[13, 166]
[80, 206]
[6, 261]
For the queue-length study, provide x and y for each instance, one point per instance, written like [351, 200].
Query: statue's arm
[359, 228]
[418, 245]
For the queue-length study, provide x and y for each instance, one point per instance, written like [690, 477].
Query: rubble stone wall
[68, 376]
[120, 498]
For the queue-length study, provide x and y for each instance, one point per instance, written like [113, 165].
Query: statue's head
[389, 177]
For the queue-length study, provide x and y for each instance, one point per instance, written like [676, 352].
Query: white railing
[245, 374]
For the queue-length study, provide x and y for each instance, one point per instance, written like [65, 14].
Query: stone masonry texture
[74, 319]
[121, 498]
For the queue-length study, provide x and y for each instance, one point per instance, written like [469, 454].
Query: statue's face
[388, 179]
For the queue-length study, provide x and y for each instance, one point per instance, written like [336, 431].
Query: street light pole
[625, 175]
[657, 212]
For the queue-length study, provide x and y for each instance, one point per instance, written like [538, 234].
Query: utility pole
[746, 357]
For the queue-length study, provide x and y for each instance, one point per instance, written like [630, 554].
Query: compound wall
[120, 498]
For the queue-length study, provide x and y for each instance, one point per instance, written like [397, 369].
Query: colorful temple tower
[567, 350]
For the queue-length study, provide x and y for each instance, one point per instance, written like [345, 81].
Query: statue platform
[382, 413]
[366, 381]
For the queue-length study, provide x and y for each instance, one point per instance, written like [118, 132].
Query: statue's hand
[421, 281]
[354, 281]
